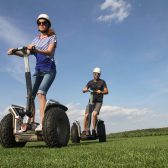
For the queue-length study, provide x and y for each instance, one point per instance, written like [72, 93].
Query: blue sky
[127, 39]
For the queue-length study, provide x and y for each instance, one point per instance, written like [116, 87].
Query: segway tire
[7, 138]
[101, 131]
[56, 127]
[74, 134]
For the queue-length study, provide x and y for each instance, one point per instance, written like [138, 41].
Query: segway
[55, 128]
[76, 134]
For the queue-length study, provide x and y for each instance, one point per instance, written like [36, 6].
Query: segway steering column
[30, 101]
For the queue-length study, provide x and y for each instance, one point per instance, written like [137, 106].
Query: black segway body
[76, 134]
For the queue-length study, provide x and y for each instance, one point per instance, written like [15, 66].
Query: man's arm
[85, 89]
[105, 91]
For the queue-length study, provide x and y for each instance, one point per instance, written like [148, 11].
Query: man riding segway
[99, 88]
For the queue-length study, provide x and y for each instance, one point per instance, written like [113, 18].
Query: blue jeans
[41, 82]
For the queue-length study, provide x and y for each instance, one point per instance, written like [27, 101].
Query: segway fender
[18, 113]
[79, 127]
[100, 121]
[51, 103]
[75, 132]
[101, 131]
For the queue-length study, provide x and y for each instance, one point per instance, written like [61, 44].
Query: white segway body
[56, 127]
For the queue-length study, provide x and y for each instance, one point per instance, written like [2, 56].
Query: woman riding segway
[43, 48]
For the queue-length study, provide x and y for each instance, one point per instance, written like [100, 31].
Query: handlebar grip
[14, 50]
[19, 49]
[34, 48]
[91, 91]
[22, 48]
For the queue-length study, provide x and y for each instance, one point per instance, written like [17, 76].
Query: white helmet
[44, 16]
[97, 70]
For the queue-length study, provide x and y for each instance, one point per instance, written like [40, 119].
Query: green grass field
[138, 152]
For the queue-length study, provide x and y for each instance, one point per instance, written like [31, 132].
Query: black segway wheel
[74, 134]
[101, 131]
[56, 127]
[7, 138]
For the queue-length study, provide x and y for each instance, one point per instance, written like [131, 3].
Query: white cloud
[15, 67]
[116, 110]
[13, 37]
[115, 10]
[116, 118]
[121, 118]
[75, 112]
[11, 34]
[4, 112]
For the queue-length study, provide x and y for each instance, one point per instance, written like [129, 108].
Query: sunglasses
[45, 23]
[96, 74]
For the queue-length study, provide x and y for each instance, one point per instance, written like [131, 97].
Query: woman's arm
[17, 53]
[48, 52]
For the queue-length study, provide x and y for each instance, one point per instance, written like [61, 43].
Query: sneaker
[84, 133]
[39, 128]
[94, 132]
[87, 132]
[23, 128]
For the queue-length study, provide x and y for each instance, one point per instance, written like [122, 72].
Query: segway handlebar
[25, 52]
[91, 91]
[22, 50]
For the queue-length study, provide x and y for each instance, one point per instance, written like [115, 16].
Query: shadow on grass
[36, 145]
[43, 145]
[84, 143]
[70, 144]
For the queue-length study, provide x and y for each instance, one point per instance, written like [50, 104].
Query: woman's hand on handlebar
[20, 51]
[10, 51]
[31, 47]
